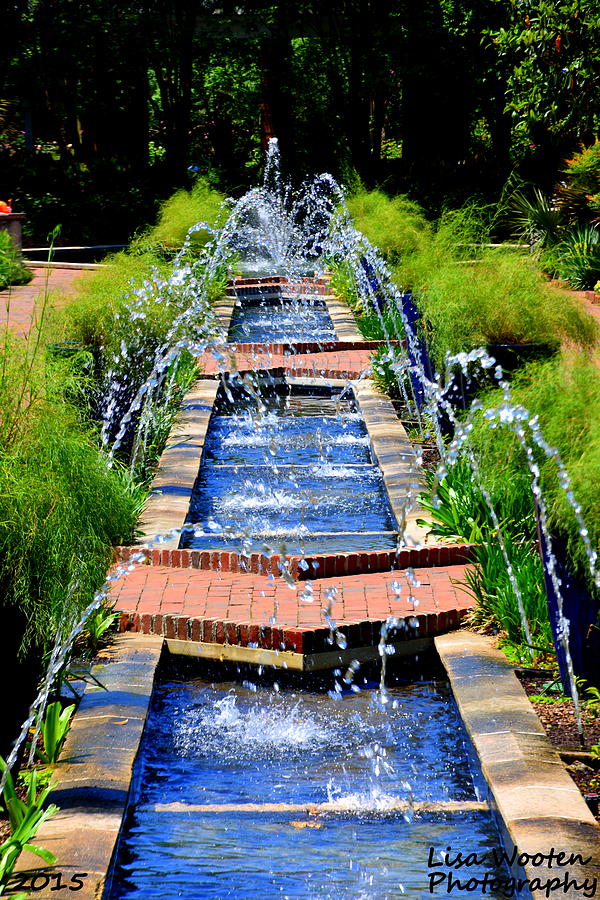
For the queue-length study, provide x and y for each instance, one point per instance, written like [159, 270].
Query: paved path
[242, 597]
[18, 303]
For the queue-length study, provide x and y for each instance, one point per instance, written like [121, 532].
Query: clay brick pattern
[304, 568]
[263, 611]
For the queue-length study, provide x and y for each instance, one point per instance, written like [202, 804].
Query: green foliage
[534, 218]
[25, 818]
[388, 365]
[577, 257]
[93, 314]
[374, 327]
[548, 50]
[458, 235]
[456, 507]
[180, 376]
[97, 627]
[343, 284]
[61, 512]
[99, 315]
[178, 214]
[564, 229]
[61, 508]
[498, 298]
[137, 289]
[565, 395]
[497, 608]
[458, 511]
[578, 194]
[396, 225]
[54, 729]
[12, 270]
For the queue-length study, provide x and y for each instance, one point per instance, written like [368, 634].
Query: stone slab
[539, 808]
[94, 774]
[168, 503]
[402, 474]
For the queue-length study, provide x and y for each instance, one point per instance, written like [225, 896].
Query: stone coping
[393, 450]
[344, 323]
[539, 808]
[95, 769]
[223, 310]
[169, 501]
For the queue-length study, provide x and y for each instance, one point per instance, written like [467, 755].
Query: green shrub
[12, 270]
[395, 225]
[178, 214]
[498, 298]
[25, 817]
[54, 727]
[577, 257]
[62, 510]
[497, 607]
[92, 314]
[126, 316]
[534, 218]
[565, 394]
[578, 194]
[456, 509]
[562, 230]
[343, 284]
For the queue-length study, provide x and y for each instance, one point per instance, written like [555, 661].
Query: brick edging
[323, 565]
[299, 348]
[295, 639]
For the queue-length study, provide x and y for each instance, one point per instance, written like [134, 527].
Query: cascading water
[293, 794]
[269, 233]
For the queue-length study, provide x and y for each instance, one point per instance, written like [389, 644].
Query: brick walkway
[244, 609]
[18, 303]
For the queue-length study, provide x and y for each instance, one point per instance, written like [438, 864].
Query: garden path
[19, 304]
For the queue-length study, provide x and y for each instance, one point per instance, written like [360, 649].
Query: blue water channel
[219, 760]
[289, 464]
[280, 319]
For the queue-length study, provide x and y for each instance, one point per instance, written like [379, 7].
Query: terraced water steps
[249, 605]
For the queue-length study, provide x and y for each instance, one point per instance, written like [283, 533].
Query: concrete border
[539, 808]
[344, 323]
[168, 504]
[223, 310]
[402, 474]
[95, 770]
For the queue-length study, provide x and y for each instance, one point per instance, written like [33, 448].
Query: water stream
[246, 791]
[287, 471]
[293, 464]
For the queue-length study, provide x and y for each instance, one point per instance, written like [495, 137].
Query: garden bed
[556, 714]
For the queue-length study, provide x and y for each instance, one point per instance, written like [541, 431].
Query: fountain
[293, 773]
